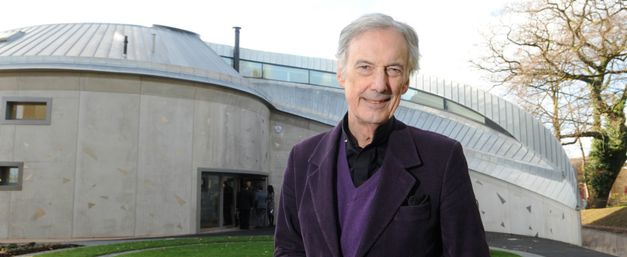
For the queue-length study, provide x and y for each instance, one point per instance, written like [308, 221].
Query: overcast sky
[448, 30]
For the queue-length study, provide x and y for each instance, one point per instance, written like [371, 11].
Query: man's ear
[405, 87]
[339, 75]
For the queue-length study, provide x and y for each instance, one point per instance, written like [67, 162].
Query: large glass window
[26, 110]
[463, 111]
[423, 98]
[323, 79]
[285, 73]
[250, 69]
[11, 176]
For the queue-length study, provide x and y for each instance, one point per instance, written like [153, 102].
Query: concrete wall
[613, 243]
[121, 155]
[508, 208]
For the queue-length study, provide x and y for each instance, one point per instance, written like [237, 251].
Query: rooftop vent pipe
[125, 44]
[236, 49]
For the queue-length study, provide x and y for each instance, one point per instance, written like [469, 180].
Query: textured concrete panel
[286, 131]
[605, 241]
[527, 209]
[165, 164]
[560, 223]
[101, 82]
[494, 203]
[48, 80]
[5, 205]
[230, 131]
[7, 135]
[508, 208]
[8, 87]
[55, 142]
[43, 209]
[8, 81]
[106, 164]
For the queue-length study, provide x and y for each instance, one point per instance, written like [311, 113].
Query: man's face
[375, 76]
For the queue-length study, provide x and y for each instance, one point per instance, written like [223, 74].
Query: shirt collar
[381, 134]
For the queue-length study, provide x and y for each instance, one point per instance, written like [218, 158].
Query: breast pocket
[412, 213]
[409, 233]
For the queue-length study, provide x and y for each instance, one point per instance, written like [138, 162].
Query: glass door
[229, 186]
[210, 190]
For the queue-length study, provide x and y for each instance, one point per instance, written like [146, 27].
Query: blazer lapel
[396, 183]
[321, 184]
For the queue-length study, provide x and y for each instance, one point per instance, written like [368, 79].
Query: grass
[249, 246]
[236, 249]
[615, 217]
[153, 244]
[495, 253]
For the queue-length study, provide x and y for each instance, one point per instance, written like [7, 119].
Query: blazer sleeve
[462, 230]
[287, 238]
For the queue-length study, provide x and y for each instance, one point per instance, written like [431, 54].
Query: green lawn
[164, 243]
[245, 246]
[495, 253]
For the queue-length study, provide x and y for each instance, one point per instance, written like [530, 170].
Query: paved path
[539, 246]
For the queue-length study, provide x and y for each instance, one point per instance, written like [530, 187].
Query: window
[11, 176]
[250, 69]
[285, 73]
[323, 79]
[424, 98]
[10, 35]
[463, 111]
[26, 110]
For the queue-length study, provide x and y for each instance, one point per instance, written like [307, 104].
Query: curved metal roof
[157, 50]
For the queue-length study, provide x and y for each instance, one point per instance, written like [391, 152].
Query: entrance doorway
[219, 194]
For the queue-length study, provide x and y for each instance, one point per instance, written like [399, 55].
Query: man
[245, 201]
[261, 203]
[373, 186]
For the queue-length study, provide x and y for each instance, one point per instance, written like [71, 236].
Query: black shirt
[363, 162]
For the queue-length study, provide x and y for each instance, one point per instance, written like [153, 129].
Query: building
[111, 130]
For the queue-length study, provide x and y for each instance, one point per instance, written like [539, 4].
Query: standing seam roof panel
[28, 40]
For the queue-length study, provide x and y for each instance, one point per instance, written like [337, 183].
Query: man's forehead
[371, 45]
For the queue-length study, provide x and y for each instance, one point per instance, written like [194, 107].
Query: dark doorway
[218, 197]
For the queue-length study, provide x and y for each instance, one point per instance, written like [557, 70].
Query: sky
[448, 31]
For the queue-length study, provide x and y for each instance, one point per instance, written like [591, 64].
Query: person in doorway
[245, 201]
[261, 204]
[227, 192]
[373, 186]
[270, 207]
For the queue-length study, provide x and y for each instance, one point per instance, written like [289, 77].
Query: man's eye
[393, 71]
[364, 69]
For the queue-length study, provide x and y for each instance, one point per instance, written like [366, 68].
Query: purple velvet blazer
[425, 202]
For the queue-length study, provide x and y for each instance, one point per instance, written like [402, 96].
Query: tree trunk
[607, 155]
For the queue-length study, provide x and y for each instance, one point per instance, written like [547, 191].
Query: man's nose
[380, 80]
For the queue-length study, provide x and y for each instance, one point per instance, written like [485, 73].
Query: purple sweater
[353, 204]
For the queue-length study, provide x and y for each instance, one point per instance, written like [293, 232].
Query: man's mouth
[377, 101]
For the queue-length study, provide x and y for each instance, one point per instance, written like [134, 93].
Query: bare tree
[566, 61]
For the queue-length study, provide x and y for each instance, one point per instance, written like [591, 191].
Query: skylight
[10, 35]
